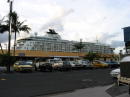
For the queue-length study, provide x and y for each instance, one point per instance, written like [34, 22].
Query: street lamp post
[120, 55]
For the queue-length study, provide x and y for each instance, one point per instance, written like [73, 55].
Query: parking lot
[43, 83]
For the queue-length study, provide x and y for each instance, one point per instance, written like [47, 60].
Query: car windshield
[84, 62]
[24, 63]
[66, 62]
[29, 62]
[113, 62]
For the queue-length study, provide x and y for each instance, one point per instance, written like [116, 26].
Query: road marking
[3, 79]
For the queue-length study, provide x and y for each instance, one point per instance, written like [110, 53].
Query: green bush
[6, 59]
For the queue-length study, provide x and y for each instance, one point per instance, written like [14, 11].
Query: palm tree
[17, 26]
[91, 56]
[79, 46]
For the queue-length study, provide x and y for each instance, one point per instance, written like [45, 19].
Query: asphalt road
[45, 83]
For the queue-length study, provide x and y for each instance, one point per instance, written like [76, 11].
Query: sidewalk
[89, 92]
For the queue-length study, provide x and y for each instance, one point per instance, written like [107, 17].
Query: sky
[89, 20]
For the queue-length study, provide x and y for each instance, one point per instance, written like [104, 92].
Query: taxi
[99, 64]
[23, 66]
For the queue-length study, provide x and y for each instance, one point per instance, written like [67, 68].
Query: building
[52, 42]
[126, 31]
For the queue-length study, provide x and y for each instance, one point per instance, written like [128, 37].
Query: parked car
[79, 64]
[46, 66]
[57, 64]
[99, 64]
[3, 69]
[114, 73]
[72, 63]
[86, 64]
[66, 65]
[23, 66]
[112, 64]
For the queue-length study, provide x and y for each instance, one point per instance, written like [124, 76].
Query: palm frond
[2, 20]
[14, 17]
[25, 28]
[4, 28]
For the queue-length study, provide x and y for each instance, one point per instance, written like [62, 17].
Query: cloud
[57, 22]
[117, 44]
[0, 16]
[90, 18]
[108, 37]
[4, 37]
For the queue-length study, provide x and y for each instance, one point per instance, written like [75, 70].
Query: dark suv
[46, 67]
[66, 65]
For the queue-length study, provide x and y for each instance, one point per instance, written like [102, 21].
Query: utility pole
[9, 35]
[10, 21]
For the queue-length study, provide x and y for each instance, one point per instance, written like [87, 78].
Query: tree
[91, 56]
[5, 59]
[16, 25]
[78, 46]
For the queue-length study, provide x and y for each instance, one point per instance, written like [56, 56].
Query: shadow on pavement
[117, 90]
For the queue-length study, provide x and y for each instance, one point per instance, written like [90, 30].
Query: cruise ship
[52, 42]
